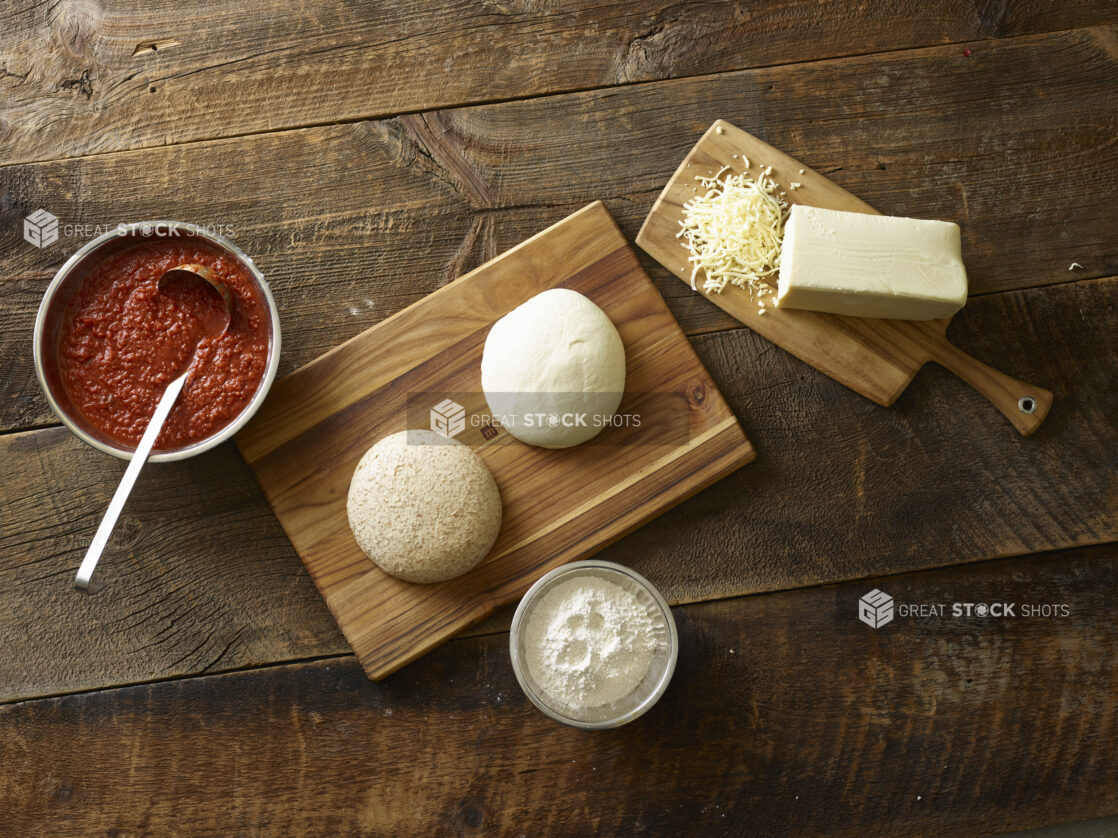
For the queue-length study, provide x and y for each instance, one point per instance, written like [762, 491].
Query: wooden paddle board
[877, 358]
[558, 505]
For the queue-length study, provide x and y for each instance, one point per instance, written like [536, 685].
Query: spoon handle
[139, 457]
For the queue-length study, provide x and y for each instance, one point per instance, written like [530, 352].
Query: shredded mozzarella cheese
[734, 232]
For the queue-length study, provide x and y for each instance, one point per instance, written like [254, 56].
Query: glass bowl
[660, 670]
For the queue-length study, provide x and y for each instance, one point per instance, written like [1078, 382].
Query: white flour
[589, 642]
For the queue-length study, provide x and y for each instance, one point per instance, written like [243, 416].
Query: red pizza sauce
[122, 342]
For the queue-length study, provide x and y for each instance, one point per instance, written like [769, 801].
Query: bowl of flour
[593, 644]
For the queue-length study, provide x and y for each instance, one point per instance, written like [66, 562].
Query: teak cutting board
[558, 505]
[877, 358]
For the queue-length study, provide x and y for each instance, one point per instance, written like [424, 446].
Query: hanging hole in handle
[1026, 404]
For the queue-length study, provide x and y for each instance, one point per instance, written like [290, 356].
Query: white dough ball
[553, 370]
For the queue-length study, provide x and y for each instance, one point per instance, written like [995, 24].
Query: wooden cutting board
[558, 506]
[877, 358]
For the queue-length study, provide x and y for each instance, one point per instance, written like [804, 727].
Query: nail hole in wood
[154, 46]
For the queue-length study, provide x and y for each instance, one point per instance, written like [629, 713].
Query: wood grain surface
[193, 533]
[841, 489]
[557, 506]
[85, 78]
[375, 215]
[786, 716]
[369, 155]
[877, 358]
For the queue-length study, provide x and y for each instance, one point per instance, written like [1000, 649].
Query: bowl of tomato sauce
[108, 342]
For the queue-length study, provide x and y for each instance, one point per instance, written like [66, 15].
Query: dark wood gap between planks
[219, 673]
[45, 426]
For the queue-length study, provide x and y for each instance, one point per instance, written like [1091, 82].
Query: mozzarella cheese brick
[871, 265]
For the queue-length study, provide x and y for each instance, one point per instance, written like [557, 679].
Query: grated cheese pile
[734, 232]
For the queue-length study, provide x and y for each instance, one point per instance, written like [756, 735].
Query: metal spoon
[187, 275]
[179, 279]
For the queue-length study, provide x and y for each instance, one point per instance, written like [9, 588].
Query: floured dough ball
[553, 370]
[423, 507]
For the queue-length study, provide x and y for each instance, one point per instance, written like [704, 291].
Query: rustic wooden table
[367, 154]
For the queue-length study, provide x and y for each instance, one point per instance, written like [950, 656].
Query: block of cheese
[870, 265]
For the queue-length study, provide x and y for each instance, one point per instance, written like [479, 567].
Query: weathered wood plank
[80, 78]
[199, 574]
[841, 489]
[786, 716]
[352, 223]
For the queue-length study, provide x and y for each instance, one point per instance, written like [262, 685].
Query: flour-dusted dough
[553, 370]
[423, 507]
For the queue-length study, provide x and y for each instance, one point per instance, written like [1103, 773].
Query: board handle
[1025, 405]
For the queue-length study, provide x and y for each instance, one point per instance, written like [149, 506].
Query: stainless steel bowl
[69, 278]
[646, 694]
